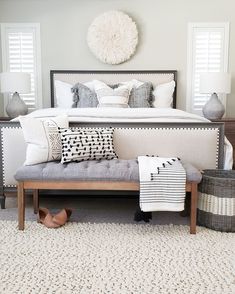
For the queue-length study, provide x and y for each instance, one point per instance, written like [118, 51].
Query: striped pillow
[108, 96]
[103, 105]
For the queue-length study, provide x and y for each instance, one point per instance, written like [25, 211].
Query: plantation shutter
[21, 48]
[208, 52]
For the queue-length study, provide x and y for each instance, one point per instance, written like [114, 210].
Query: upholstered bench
[91, 175]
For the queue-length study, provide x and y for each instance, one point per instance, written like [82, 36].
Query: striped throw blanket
[162, 184]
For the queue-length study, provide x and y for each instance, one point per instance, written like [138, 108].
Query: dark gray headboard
[112, 77]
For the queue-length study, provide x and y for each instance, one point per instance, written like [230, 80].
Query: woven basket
[216, 202]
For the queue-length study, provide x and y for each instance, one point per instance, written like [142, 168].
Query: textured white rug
[114, 258]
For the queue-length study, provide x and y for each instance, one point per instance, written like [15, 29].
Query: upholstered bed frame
[201, 144]
[112, 77]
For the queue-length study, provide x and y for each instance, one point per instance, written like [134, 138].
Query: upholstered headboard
[111, 77]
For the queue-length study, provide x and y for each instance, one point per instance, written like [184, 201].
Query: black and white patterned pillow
[79, 144]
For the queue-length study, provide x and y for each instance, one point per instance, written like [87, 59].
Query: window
[21, 52]
[207, 52]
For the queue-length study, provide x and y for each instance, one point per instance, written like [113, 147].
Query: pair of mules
[53, 221]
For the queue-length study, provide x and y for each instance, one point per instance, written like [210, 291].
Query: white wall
[162, 26]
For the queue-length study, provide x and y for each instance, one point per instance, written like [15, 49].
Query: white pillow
[63, 94]
[42, 138]
[133, 83]
[163, 95]
[107, 95]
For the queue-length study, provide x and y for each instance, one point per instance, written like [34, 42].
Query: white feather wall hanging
[112, 37]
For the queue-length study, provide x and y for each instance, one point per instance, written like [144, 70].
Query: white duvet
[125, 115]
[120, 114]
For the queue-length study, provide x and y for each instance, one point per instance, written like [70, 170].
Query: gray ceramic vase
[213, 109]
[16, 106]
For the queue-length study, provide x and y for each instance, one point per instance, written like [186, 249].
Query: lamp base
[213, 109]
[16, 106]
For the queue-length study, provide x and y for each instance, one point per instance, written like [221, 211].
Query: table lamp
[12, 82]
[214, 83]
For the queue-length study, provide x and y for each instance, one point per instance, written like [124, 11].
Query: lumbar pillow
[79, 144]
[84, 96]
[163, 95]
[107, 95]
[43, 138]
[64, 95]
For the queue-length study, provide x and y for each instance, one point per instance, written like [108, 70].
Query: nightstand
[229, 128]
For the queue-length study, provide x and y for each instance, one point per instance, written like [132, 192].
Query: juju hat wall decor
[112, 37]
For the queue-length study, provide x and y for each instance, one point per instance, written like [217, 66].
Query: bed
[163, 132]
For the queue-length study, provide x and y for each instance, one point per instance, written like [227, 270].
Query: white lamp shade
[15, 82]
[215, 83]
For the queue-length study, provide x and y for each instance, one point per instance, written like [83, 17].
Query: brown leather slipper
[42, 212]
[46, 218]
[62, 217]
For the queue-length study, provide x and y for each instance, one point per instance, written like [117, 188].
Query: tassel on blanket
[141, 215]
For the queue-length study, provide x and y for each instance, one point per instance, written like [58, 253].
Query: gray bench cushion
[104, 170]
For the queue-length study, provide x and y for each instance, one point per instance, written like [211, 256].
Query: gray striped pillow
[115, 105]
[107, 95]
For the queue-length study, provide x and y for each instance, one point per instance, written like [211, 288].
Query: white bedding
[129, 115]
[120, 114]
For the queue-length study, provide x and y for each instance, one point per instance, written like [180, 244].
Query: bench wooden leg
[21, 205]
[35, 201]
[3, 201]
[193, 215]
